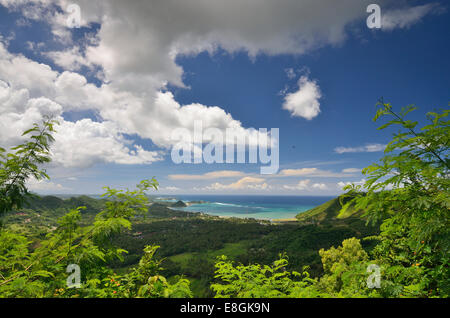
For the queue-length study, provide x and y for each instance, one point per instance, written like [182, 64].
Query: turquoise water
[257, 207]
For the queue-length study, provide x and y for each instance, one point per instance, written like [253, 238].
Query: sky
[129, 82]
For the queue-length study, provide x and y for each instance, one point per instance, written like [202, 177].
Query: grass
[327, 211]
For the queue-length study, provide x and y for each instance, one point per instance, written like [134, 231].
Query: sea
[244, 206]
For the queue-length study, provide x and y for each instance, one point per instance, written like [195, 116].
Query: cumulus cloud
[45, 186]
[320, 186]
[85, 143]
[18, 112]
[305, 185]
[342, 184]
[154, 115]
[77, 144]
[141, 39]
[304, 102]
[156, 32]
[167, 28]
[366, 148]
[70, 59]
[301, 185]
[249, 183]
[20, 72]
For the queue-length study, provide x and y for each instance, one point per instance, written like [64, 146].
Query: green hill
[39, 203]
[179, 204]
[330, 210]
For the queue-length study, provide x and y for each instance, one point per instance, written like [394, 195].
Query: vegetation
[410, 189]
[40, 270]
[21, 163]
[179, 204]
[190, 242]
[409, 193]
[386, 238]
[329, 211]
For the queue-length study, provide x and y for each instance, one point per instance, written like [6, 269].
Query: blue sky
[115, 89]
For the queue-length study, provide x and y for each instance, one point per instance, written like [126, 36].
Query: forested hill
[45, 210]
[50, 202]
[92, 205]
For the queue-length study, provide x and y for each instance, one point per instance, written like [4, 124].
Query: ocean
[245, 206]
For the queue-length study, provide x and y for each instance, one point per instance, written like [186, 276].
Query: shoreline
[288, 216]
[273, 221]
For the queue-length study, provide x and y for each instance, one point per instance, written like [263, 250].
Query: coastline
[273, 209]
[273, 221]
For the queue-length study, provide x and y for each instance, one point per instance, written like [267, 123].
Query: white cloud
[140, 37]
[85, 143]
[18, 112]
[319, 186]
[301, 185]
[305, 102]
[404, 18]
[305, 185]
[342, 184]
[136, 49]
[285, 173]
[45, 186]
[298, 172]
[20, 72]
[366, 148]
[138, 41]
[352, 170]
[249, 183]
[70, 59]
[153, 115]
[77, 144]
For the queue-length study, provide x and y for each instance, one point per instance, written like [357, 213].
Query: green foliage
[141, 282]
[345, 275]
[119, 209]
[40, 270]
[22, 162]
[258, 281]
[345, 270]
[410, 190]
